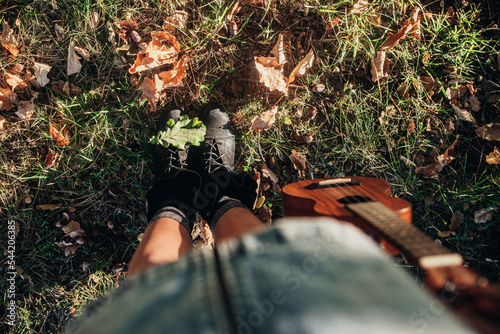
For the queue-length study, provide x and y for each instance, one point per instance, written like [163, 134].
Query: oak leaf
[489, 132]
[73, 230]
[177, 20]
[8, 40]
[265, 120]
[25, 108]
[74, 65]
[302, 67]
[156, 53]
[173, 77]
[58, 136]
[50, 158]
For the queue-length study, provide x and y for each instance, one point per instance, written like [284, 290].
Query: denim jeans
[308, 275]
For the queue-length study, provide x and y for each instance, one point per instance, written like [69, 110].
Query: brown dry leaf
[332, 23]
[489, 132]
[482, 216]
[279, 51]
[253, 2]
[359, 7]
[265, 120]
[45, 207]
[93, 21]
[59, 137]
[7, 99]
[380, 67]
[156, 53]
[50, 159]
[302, 67]
[456, 220]
[474, 103]
[41, 72]
[8, 40]
[267, 173]
[149, 92]
[265, 214]
[271, 74]
[415, 22]
[128, 24]
[2, 121]
[446, 234]
[494, 157]
[82, 52]
[73, 230]
[429, 83]
[463, 114]
[25, 108]
[15, 68]
[177, 20]
[449, 126]
[442, 160]
[455, 93]
[393, 39]
[74, 65]
[173, 77]
[299, 163]
[14, 81]
[411, 127]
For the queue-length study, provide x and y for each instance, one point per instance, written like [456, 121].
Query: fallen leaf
[278, 51]
[446, 234]
[93, 21]
[265, 214]
[2, 121]
[15, 68]
[14, 81]
[482, 216]
[74, 65]
[73, 230]
[45, 207]
[299, 163]
[134, 36]
[149, 92]
[41, 72]
[474, 103]
[173, 77]
[50, 158]
[432, 170]
[411, 127]
[267, 173]
[333, 23]
[456, 220]
[59, 137]
[271, 74]
[265, 120]
[463, 114]
[394, 39]
[128, 24]
[177, 20]
[156, 53]
[59, 31]
[82, 52]
[7, 99]
[489, 132]
[449, 126]
[302, 67]
[380, 66]
[455, 93]
[494, 157]
[8, 40]
[25, 109]
[429, 83]
[359, 7]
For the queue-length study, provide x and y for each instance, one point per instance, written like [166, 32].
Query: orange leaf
[7, 99]
[50, 158]
[14, 81]
[156, 54]
[8, 41]
[174, 76]
[48, 206]
[128, 24]
[60, 139]
[332, 23]
[494, 157]
[393, 39]
[149, 92]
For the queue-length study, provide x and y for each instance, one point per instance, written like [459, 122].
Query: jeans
[307, 275]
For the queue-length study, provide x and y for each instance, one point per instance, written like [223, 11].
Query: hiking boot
[169, 161]
[219, 144]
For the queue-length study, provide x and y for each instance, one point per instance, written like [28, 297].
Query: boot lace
[213, 158]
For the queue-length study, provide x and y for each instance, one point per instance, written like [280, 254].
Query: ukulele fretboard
[412, 242]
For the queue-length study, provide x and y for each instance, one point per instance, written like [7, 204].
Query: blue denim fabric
[301, 276]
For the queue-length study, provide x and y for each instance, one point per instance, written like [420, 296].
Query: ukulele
[366, 202]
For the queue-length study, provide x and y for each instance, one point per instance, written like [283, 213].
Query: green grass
[111, 124]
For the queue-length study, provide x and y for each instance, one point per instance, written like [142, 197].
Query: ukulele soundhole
[354, 199]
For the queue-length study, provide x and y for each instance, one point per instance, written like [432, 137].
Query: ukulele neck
[413, 243]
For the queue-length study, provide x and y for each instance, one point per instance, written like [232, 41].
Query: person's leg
[234, 223]
[165, 240]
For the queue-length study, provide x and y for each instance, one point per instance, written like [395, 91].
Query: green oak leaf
[181, 133]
